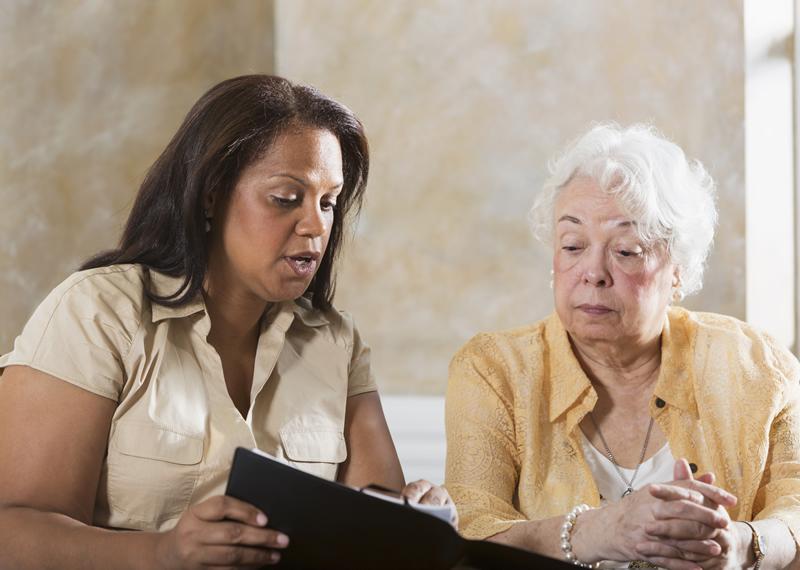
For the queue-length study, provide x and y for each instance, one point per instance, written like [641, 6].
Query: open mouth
[302, 265]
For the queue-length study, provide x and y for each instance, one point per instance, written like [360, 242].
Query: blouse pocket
[152, 471]
[318, 452]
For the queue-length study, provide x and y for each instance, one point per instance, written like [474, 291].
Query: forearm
[542, 536]
[36, 540]
[587, 538]
[781, 547]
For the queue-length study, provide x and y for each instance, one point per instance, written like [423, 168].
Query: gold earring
[677, 290]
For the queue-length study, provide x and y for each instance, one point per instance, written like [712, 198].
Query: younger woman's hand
[220, 532]
[426, 493]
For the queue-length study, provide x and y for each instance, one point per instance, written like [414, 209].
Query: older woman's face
[609, 286]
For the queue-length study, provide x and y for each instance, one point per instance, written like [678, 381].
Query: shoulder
[116, 292]
[338, 326]
[723, 336]
[505, 349]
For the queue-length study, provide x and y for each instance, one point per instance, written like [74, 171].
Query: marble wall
[91, 93]
[463, 103]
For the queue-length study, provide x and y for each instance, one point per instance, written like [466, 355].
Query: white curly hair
[671, 198]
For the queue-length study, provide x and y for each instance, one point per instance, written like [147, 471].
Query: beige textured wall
[91, 93]
[464, 101]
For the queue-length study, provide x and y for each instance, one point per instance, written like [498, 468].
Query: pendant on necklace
[627, 492]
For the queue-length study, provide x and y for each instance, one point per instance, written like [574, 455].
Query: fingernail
[282, 540]
[274, 556]
[261, 519]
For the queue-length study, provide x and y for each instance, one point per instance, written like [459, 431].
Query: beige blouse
[175, 428]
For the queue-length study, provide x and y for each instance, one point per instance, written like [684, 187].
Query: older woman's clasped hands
[677, 525]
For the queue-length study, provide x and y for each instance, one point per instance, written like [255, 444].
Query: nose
[312, 222]
[595, 269]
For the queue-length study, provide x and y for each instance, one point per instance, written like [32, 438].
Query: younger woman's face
[268, 240]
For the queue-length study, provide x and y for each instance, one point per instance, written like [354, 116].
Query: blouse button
[693, 467]
[660, 403]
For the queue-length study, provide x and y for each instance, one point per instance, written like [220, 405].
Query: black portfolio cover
[331, 526]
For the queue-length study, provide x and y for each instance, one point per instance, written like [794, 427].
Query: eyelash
[623, 252]
[290, 202]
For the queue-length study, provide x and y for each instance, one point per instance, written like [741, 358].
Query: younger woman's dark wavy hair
[231, 126]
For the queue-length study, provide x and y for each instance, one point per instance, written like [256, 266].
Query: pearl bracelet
[566, 534]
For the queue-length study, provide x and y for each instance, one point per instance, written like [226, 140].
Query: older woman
[210, 327]
[578, 437]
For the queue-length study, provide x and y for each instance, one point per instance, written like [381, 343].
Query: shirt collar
[570, 385]
[307, 314]
[572, 392]
[165, 285]
[676, 379]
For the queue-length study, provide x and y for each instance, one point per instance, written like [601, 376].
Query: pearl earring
[208, 221]
[552, 275]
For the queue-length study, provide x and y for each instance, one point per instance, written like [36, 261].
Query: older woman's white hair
[670, 198]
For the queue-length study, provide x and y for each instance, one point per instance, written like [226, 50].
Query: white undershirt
[657, 469]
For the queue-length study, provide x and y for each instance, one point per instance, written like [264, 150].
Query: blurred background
[463, 101]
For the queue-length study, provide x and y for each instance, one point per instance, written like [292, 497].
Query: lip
[314, 255]
[595, 309]
[303, 263]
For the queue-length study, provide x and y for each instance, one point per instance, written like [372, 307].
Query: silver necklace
[628, 484]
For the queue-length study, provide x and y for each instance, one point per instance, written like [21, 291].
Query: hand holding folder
[332, 526]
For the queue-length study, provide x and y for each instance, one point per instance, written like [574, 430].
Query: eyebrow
[303, 182]
[574, 220]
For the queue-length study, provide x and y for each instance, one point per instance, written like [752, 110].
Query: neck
[235, 316]
[616, 368]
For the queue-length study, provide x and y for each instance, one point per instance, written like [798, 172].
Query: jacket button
[693, 467]
[660, 403]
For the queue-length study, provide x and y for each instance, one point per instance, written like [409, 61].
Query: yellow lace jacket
[727, 398]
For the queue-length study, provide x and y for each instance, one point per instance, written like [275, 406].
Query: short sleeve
[77, 334]
[482, 468]
[360, 379]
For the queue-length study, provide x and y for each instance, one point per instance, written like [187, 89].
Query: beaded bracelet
[566, 534]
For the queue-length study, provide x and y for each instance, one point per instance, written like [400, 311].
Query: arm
[482, 464]
[55, 434]
[371, 456]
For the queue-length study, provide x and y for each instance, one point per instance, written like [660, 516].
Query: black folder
[332, 526]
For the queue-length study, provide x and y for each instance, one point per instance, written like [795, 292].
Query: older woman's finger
[678, 529]
[666, 550]
[415, 490]
[707, 478]
[669, 492]
[712, 492]
[666, 556]
[687, 510]
[704, 549]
